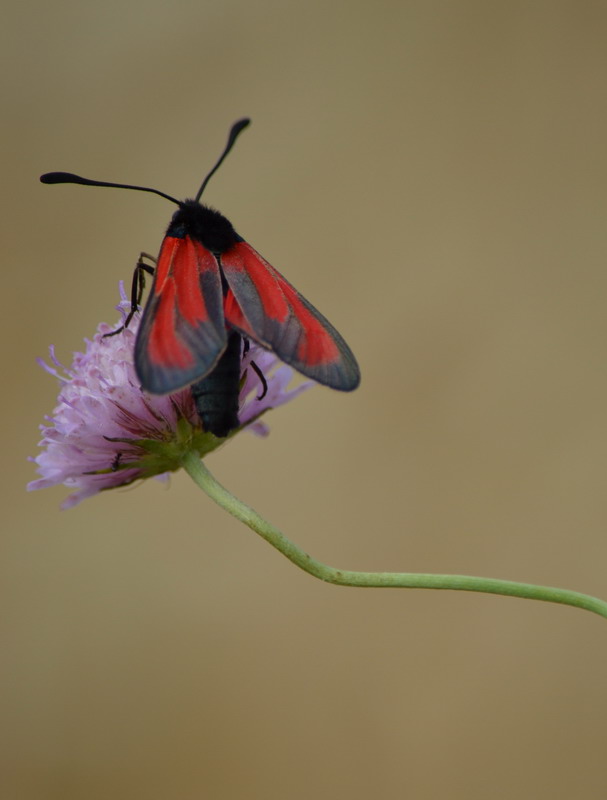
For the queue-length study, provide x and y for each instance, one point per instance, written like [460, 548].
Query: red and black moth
[211, 294]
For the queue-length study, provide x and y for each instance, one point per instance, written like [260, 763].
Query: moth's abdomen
[216, 396]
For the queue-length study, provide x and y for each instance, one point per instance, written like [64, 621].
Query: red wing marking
[164, 348]
[182, 332]
[243, 259]
[266, 308]
[316, 346]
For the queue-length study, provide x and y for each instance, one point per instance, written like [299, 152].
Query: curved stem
[404, 580]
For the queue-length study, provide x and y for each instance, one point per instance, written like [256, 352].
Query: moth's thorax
[203, 223]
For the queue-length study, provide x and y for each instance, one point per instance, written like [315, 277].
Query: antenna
[236, 128]
[69, 177]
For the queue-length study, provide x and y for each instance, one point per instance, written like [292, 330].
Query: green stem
[404, 580]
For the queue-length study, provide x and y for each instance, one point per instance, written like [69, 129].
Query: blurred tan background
[433, 176]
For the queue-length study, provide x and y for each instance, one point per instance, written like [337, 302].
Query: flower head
[106, 432]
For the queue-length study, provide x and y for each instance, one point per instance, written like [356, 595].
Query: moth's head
[204, 224]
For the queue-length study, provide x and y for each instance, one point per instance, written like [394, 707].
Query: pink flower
[106, 432]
